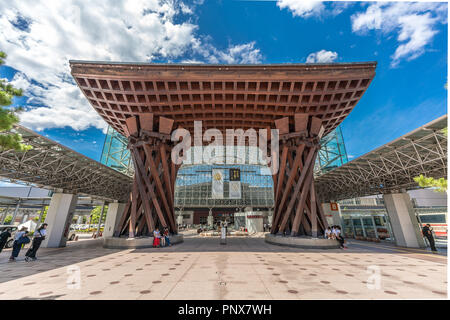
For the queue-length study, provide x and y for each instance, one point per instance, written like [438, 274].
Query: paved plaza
[244, 268]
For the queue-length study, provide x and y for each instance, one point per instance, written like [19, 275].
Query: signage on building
[217, 183]
[235, 183]
[254, 217]
[334, 206]
[235, 174]
[235, 190]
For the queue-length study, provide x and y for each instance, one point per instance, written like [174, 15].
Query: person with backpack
[39, 236]
[20, 238]
[4, 236]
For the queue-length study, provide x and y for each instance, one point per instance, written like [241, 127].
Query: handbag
[41, 237]
[23, 240]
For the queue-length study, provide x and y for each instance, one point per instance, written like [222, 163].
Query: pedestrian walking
[39, 236]
[4, 236]
[427, 233]
[20, 238]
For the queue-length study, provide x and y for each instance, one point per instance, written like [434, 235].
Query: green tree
[8, 116]
[95, 214]
[439, 185]
[8, 219]
[44, 215]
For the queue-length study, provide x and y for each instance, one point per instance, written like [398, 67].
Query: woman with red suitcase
[156, 238]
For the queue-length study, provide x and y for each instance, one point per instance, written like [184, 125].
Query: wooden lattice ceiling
[223, 96]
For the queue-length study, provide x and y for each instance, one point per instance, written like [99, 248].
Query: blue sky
[408, 40]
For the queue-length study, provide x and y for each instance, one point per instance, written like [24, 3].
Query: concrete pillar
[24, 217]
[59, 217]
[332, 212]
[403, 220]
[113, 215]
[16, 210]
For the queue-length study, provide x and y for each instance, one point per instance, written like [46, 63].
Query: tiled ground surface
[245, 268]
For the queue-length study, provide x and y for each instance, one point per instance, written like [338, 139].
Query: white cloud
[40, 37]
[414, 22]
[314, 8]
[322, 56]
[243, 53]
[302, 8]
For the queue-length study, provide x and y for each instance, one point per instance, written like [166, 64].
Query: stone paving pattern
[244, 268]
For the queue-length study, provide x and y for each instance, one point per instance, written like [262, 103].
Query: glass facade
[332, 153]
[194, 183]
[115, 153]
[374, 226]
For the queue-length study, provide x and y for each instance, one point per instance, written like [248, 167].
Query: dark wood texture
[146, 102]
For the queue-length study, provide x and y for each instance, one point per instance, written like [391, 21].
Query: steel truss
[53, 166]
[391, 167]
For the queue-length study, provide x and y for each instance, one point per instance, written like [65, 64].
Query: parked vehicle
[72, 234]
[10, 241]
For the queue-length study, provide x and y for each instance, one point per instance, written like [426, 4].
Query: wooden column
[151, 202]
[296, 209]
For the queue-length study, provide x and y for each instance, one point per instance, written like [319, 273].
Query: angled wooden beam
[301, 206]
[143, 194]
[314, 217]
[311, 155]
[132, 224]
[289, 184]
[281, 173]
[166, 174]
[159, 187]
[140, 166]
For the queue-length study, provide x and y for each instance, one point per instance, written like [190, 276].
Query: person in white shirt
[328, 233]
[337, 231]
[333, 232]
[340, 238]
[39, 236]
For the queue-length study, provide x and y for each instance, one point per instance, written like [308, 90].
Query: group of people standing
[21, 238]
[161, 240]
[334, 232]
